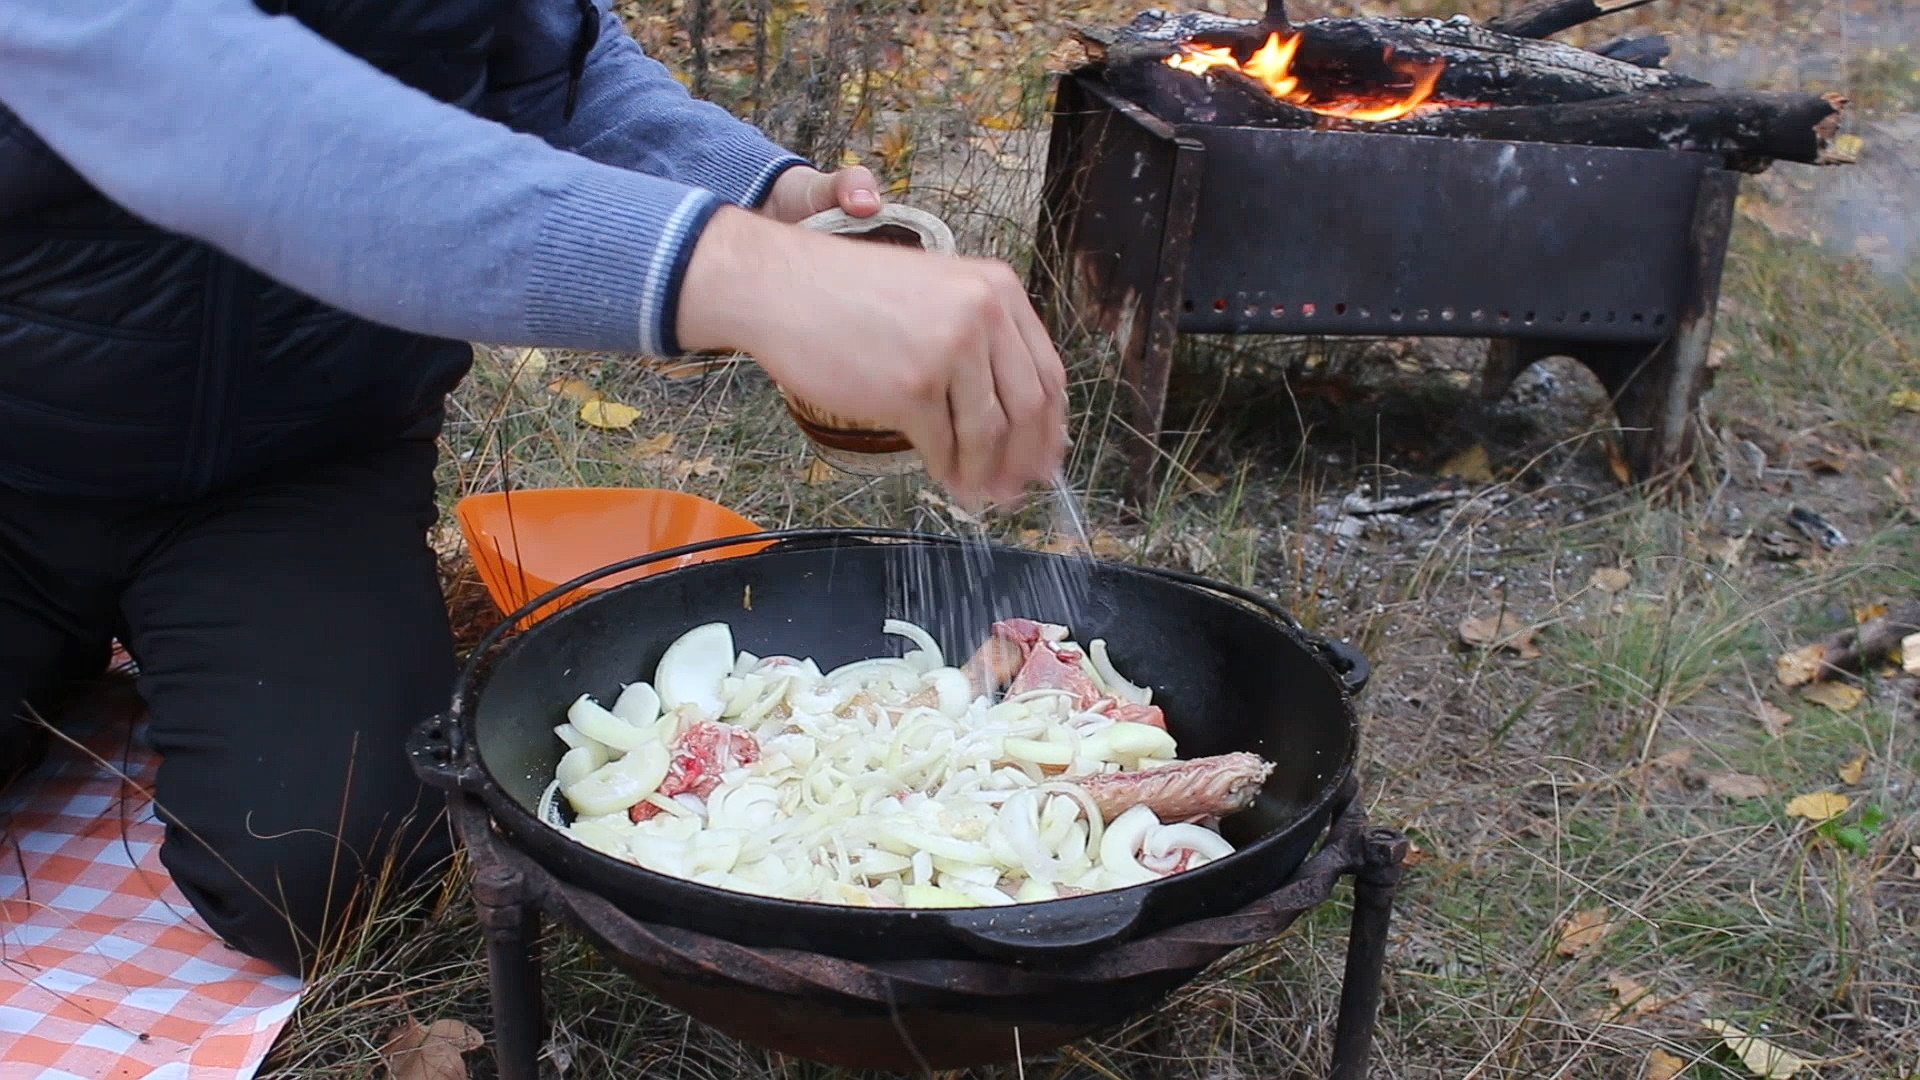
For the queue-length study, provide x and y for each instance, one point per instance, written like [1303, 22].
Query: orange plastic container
[526, 542]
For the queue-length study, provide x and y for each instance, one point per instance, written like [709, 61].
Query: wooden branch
[1853, 649]
[1548, 17]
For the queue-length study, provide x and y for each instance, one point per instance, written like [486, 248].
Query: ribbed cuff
[612, 253]
[740, 166]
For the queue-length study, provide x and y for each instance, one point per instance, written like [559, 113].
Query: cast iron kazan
[1232, 670]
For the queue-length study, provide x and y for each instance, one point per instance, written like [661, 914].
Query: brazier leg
[512, 925]
[1373, 891]
[1656, 406]
[1146, 350]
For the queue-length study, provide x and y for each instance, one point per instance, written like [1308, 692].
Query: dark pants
[287, 635]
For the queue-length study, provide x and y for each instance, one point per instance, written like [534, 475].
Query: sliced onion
[902, 628]
[1116, 683]
[692, 668]
[637, 704]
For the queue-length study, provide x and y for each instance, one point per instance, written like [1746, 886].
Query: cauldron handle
[1033, 934]
[441, 756]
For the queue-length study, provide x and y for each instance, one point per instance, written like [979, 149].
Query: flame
[1272, 66]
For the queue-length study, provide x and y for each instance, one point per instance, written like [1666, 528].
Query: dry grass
[1534, 789]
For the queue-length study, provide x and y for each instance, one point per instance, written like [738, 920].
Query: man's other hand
[803, 191]
[947, 351]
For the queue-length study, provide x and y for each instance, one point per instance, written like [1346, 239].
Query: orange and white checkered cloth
[106, 972]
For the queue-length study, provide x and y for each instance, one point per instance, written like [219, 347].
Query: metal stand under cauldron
[912, 1015]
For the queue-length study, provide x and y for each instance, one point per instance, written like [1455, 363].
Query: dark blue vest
[136, 363]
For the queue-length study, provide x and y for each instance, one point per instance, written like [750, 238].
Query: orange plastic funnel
[526, 542]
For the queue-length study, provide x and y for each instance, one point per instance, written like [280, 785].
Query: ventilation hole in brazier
[1421, 314]
[1560, 317]
[1506, 316]
[1638, 318]
[1395, 315]
[1307, 310]
[1186, 305]
[1613, 316]
[1278, 310]
[1220, 304]
[1339, 309]
[1252, 310]
[1528, 318]
[1586, 316]
[1478, 315]
[1446, 314]
[1659, 318]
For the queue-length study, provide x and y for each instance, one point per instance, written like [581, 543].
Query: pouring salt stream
[1034, 771]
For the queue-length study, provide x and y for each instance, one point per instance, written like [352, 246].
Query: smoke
[1871, 208]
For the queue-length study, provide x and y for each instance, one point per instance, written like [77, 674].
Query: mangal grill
[1190, 201]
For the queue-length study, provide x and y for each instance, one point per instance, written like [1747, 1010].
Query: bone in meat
[1209, 786]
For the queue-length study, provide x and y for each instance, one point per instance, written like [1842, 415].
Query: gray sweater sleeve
[631, 111]
[252, 133]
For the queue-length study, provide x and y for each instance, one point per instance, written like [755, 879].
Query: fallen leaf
[1664, 1066]
[653, 446]
[1838, 696]
[819, 471]
[1206, 483]
[1510, 631]
[433, 1052]
[704, 467]
[1108, 546]
[574, 389]
[1910, 654]
[1762, 1058]
[1610, 579]
[1676, 758]
[529, 367]
[1729, 549]
[1846, 147]
[1852, 771]
[1617, 462]
[1738, 786]
[1818, 806]
[1583, 930]
[1635, 997]
[608, 415]
[1905, 399]
[1470, 464]
[1416, 855]
[1772, 717]
[1797, 668]
[1865, 612]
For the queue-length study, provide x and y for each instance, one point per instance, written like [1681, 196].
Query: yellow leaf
[1470, 464]
[1864, 612]
[701, 468]
[1905, 399]
[819, 472]
[1838, 696]
[740, 31]
[653, 446]
[1818, 806]
[1664, 1066]
[1583, 930]
[1852, 771]
[1510, 631]
[1610, 579]
[529, 367]
[1004, 121]
[848, 159]
[432, 1052]
[894, 147]
[1846, 147]
[574, 390]
[1798, 667]
[1617, 463]
[1738, 786]
[608, 415]
[1762, 1058]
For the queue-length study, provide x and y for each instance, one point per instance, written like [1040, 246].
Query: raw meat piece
[701, 754]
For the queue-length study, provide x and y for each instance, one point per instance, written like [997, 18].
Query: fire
[1272, 66]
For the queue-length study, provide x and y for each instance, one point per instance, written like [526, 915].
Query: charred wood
[1857, 647]
[1740, 124]
[1548, 17]
[1647, 52]
[1337, 54]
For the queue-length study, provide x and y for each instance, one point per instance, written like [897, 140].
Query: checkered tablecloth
[106, 972]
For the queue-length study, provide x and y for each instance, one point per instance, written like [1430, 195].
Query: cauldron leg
[1373, 889]
[512, 924]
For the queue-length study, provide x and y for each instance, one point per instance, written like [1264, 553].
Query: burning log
[1425, 77]
[1548, 17]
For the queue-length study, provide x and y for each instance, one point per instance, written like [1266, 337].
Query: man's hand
[945, 350]
[804, 191]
